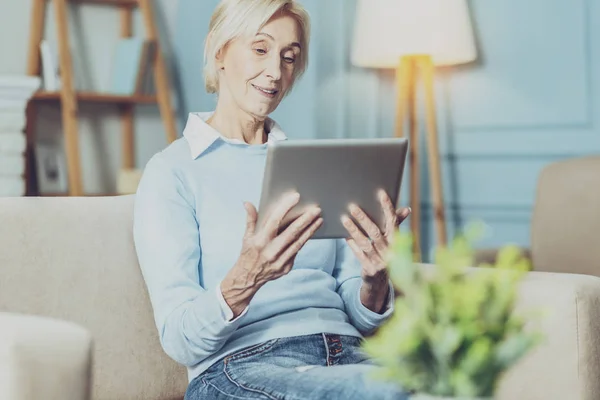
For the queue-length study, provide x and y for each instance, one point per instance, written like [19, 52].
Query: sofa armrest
[43, 358]
[567, 364]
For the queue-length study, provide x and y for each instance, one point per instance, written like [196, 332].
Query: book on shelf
[50, 68]
[15, 92]
[12, 186]
[12, 142]
[12, 164]
[24, 85]
[147, 72]
[12, 120]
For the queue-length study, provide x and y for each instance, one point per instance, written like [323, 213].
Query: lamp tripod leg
[427, 70]
[406, 76]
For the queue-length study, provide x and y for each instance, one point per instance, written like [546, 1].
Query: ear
[219, 59]
[219, 55]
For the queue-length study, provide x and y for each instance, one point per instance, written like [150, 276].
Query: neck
[234, 123]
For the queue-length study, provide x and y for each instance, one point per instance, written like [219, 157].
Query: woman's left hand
[371, 250]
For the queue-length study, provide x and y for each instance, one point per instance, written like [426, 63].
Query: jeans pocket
[252, 351]
[215, 369]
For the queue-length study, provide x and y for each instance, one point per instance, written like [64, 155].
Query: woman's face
[256, 72]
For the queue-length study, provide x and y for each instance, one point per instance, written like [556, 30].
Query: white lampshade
[386, 30]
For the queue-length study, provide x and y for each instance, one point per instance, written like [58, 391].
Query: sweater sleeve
[347, 272]
[190, 318]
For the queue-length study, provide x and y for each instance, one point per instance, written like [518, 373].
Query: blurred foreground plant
[454, 331]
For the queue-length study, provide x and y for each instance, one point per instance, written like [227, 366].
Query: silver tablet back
[333, 173]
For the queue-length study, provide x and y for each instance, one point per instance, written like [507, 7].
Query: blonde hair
[234, 18]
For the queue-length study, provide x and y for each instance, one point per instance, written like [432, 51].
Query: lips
[269, 92]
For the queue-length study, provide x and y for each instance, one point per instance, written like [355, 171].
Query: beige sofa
[73, 259]
[566, 219]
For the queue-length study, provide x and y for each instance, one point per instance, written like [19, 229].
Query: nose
[273, 68]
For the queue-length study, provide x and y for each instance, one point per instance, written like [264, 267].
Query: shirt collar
[200, 135]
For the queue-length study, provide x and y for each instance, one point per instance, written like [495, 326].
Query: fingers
[389, 212]
[372, 269]
[403, 213]
[361, 240]
[294, 230]
[393, 217]
[400, 215]
[372, 230]
[251, 216]
[358, 252]
[293, 249]
[274, 220]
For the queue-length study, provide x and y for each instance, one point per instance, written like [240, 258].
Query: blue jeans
[320, 366]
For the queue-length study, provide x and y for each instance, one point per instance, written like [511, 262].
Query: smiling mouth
[265, 91]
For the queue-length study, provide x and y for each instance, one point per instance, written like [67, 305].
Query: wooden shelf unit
[93, 97]
[69, 97]
[84, 195]
[118, 3]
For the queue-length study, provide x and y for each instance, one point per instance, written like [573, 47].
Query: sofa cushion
[566, 218]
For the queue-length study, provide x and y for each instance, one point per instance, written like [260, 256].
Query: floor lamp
[413, 37]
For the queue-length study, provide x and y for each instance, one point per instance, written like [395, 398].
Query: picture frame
[51, 168]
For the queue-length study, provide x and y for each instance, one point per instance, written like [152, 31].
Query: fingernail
[409, 210]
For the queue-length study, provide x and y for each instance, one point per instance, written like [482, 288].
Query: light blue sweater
[189, 221]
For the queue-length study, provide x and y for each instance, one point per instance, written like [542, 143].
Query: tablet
[332, 173]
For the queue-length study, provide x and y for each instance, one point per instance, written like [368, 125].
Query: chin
[261, 111]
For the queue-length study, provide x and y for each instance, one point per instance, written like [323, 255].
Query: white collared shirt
[200, 135]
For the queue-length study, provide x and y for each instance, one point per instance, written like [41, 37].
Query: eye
[289, 60]
[260, 50]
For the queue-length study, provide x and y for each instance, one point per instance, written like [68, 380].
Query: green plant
[454, 331]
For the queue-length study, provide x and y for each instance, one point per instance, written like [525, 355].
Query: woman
[254, 314]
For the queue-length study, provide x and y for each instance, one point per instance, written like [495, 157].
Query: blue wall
[527, 102]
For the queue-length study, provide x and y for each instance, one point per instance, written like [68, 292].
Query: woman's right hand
[267, 254]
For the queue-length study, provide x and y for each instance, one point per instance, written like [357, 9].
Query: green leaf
[454, 330]
[515, 347]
